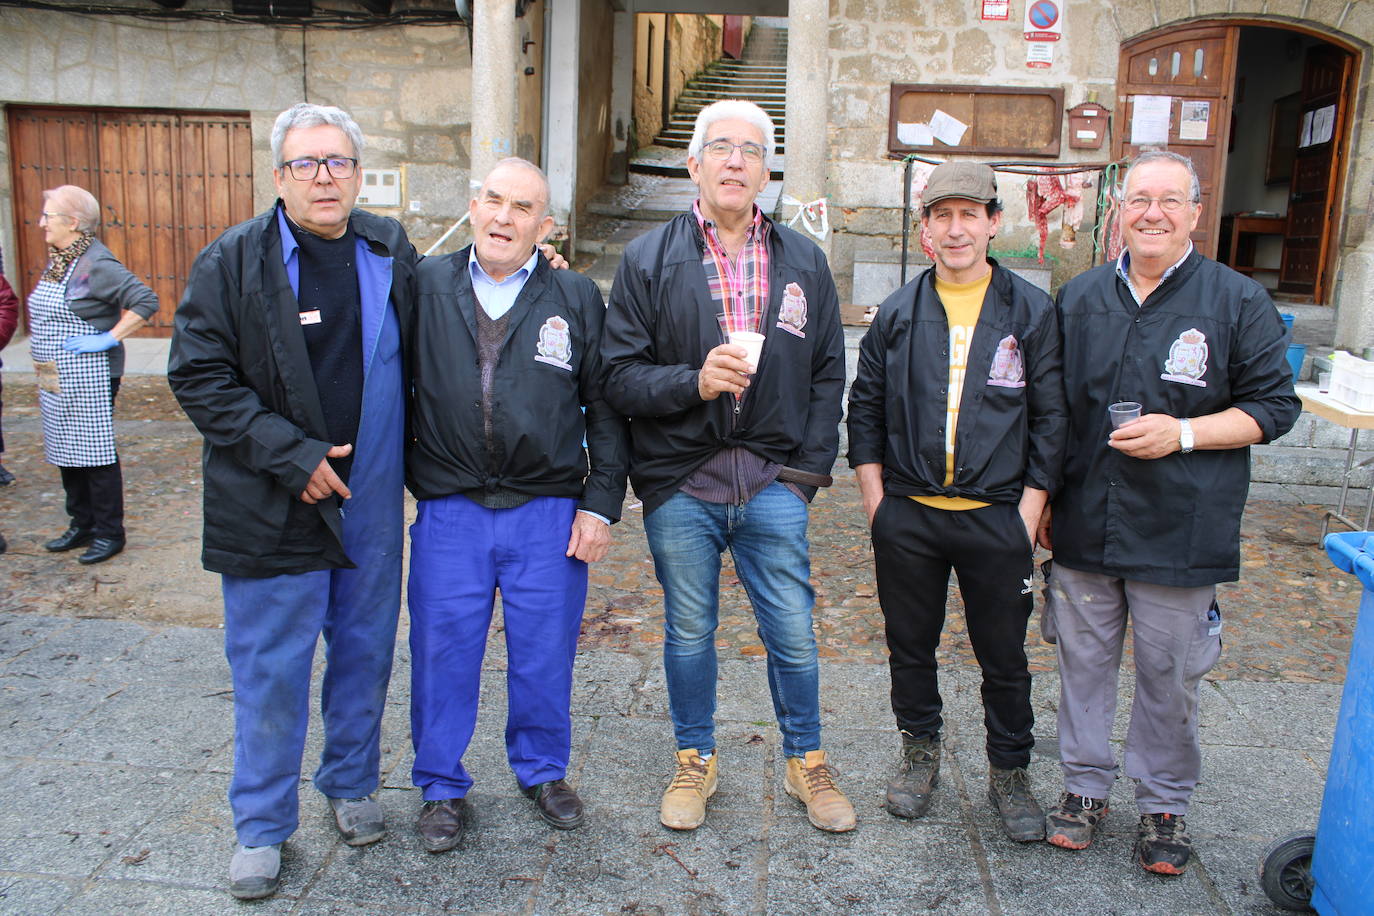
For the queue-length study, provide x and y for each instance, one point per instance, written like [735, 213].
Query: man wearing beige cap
[956, 434]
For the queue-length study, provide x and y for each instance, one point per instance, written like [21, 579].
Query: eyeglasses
[722, 149]
[306, 168]
[49, 217]
[1167, 204]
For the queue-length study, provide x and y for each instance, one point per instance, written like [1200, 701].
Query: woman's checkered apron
[78, 423]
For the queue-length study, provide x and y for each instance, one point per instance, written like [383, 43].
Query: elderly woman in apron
[85, 303]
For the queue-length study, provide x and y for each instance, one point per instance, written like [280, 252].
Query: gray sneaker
[255, 871]
[910, 788]
[1009, 792]
[359, 819]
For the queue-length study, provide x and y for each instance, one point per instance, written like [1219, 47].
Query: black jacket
[1011, 432]
[238, 365]
[101, 289]
[549, 368]
[662, 322]
[1173, 520]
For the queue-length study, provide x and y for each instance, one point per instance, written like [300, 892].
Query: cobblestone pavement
[1290, 618]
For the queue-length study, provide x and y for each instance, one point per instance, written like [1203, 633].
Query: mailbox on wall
[1087, 125]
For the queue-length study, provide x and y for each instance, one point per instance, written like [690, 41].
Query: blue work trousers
[460, 553]
[767, 538]
[271, 627]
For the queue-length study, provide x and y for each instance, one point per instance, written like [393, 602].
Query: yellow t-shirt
[963, 302]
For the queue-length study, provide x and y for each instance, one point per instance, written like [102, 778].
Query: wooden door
[168, 183]
[1317, 167]
[1196, 69]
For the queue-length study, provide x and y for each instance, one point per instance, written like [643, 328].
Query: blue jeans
[767, 538]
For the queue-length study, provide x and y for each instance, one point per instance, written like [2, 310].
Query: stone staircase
[759, 76]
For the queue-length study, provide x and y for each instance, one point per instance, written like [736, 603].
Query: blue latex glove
[90, 343]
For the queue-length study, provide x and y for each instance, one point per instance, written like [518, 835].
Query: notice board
[1002, 120]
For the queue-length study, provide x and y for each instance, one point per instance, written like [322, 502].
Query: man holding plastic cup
[728, 446]
[1147, 520]
[956, 433]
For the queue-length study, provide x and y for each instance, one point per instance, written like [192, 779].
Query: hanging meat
[1043, 194]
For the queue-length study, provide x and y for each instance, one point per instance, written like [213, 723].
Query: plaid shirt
[742, 287]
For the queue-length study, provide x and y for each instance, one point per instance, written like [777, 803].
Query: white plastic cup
[752, 342]
[1323, 382]
[1122, 412]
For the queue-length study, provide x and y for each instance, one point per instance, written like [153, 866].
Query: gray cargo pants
[1174, 644]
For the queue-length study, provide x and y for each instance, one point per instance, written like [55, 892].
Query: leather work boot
[911, 787]
[255, 871]
[359, 820]
[558, 804]
[443, 823]
[1010, 794]
[684, 802]
[811, 781]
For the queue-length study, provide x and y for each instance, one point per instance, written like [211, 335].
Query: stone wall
[408, 87]
[874, 43]
[694, 42]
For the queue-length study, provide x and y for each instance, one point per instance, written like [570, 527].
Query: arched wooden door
[1195, 68]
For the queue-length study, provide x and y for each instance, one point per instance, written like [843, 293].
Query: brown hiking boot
[1072, 824]
[910, 788]
[684, 803]
[811, 781]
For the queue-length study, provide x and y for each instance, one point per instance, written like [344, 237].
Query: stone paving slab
[115, 781]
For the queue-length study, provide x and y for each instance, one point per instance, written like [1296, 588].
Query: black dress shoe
[442, 823]
[6, 478]
[101, 549]
[71, 538]
[559, 805]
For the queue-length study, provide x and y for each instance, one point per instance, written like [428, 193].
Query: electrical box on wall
[1087, 125]
[381, 188]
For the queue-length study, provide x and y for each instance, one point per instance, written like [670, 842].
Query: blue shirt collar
[524, 272]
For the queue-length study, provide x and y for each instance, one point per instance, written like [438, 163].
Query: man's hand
[90, 343]
[1151, 436]
[870, 478]
[1042, 530]
[724, 372]
[591, 538]
[324, 481]
[556, 260]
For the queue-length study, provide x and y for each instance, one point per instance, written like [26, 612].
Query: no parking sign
[1044, 20]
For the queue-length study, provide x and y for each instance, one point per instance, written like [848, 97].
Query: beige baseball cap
[965, 180]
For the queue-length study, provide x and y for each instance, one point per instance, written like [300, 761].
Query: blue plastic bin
[1343, 860]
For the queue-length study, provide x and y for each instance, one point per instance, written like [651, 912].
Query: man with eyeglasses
[1147, 520]
[727, 449]
[287, 356]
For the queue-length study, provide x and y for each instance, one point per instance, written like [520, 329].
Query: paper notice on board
[1150, 119]
[915, 134]
[1039, 54]
[1306, 138]
[947, 128]
[1193, 119]
[1323, 124]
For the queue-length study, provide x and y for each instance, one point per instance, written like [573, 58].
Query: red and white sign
[996, 9]
[1039, 55]
[1044, 20]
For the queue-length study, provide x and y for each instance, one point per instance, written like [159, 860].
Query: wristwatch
[1185, 436]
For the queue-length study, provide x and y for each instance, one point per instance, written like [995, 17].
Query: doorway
[168, 184]
[1264, 113]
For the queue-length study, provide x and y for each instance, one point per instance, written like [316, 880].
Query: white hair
[518, 162]
[306, 115]
[734, 109]
[1164, 155]
[78, 203]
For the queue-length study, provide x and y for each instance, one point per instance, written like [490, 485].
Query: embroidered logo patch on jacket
[1008, 366]
[555, 343]
[1187, 360]
[792, 312]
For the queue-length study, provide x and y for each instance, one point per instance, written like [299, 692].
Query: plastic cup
[1323, 382]
[1122, 413]
[753, 343]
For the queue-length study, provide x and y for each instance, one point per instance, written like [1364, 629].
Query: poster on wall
[1193, 118]
[1039, 54]
[1150, 119]
[1044, 20]
[995, 10]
